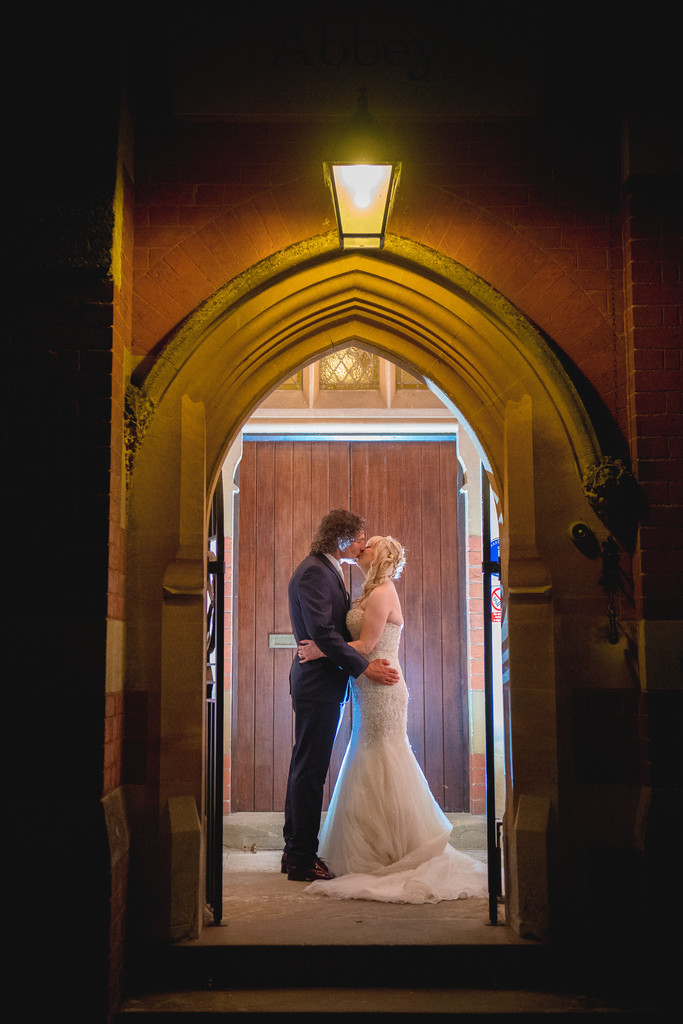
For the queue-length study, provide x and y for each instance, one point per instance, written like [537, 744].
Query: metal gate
[490, 568]
[214, 708]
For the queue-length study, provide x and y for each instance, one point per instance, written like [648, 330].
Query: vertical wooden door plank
[263, 626]
[452, 638]
[339, 475]
[358, 501]
[287, 482]
[431, 591]
[393, 518]
[243, 685]
[413, 612]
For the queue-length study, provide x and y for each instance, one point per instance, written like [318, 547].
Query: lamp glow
[363, 195]
[363, 180]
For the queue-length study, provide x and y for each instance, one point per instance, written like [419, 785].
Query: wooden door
[409, 489]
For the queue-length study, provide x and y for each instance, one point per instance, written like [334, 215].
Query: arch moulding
[435, 318]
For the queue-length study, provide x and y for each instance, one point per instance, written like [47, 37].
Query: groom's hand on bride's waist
[381, 671]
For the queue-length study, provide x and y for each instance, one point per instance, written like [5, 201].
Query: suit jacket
[318, 603]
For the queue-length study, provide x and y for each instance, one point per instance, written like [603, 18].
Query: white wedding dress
[384, 836]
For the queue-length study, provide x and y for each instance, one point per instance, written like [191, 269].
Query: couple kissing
[384, 836]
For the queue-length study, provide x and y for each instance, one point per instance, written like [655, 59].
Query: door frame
[464, 714]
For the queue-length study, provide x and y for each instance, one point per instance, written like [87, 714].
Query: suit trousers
[315, 728]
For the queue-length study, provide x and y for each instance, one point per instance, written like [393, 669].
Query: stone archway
[434, 317]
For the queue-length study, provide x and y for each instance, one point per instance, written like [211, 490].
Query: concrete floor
[279, 950]
[261, 906]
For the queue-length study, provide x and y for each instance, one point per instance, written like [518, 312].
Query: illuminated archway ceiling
[433, 318]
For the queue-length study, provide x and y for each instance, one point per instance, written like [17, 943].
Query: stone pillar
[183, 632]
[528, 689]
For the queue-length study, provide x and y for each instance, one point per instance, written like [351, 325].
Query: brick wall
[115, 708]
[211, 201]
[653, 281]
[509, 201]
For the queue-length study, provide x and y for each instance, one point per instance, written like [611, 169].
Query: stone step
[189, 981]
[253, 831]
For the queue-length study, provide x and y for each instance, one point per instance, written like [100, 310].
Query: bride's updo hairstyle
[387, 564]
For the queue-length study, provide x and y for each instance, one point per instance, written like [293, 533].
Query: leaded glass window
[295, 383]
[405, 381]
[350, 369]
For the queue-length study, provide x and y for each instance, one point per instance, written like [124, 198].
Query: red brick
[565, 313]
[162, 237]
[267, 207]
[659, 470]
[648, 359]
[661, 426]
[659, 380]
[592, 260]
[647, 293]
[549, 238]
[582, 238]
[652, 448]
[163, 215]
[656, 337]
[164, 194]
[649, 402]
[670, 271]
[494, 196]
[644, 251]
[210, 195]
[661, 562]
[654, 538]
[646, 316]
[469, 246]
[195, 217]
[203, 271]
[646, 271]
[537, 295]
[657, 493]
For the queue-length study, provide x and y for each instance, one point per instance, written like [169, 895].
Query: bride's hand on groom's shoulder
[380, 671]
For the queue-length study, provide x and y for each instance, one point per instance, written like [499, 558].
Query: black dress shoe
[283, 863]
[318, 871]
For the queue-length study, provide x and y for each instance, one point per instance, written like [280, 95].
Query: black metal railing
[215, 709]
[490, 568]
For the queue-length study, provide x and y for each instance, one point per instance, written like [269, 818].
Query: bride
[385, 837]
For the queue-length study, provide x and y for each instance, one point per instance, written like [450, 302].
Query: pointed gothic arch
[483, 357]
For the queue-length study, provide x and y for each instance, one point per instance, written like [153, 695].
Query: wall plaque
[281, 640]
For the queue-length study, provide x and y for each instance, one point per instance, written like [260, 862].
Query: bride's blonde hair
[387, 564]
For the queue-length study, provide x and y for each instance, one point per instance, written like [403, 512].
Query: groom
[318, 603]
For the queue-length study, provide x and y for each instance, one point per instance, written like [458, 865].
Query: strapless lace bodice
[379, 712]
[387, 645]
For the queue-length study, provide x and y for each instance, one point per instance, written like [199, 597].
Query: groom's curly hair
[337, 529]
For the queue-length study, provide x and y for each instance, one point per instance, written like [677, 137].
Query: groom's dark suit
[318, 603]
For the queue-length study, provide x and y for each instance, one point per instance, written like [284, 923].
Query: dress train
[385, 837]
